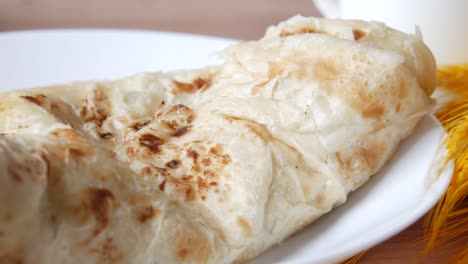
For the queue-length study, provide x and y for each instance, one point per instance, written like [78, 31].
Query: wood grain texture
[242, 19]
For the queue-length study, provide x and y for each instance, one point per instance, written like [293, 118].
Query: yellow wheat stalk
[448, 220]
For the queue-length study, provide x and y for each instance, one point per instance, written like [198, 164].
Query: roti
[213, 165]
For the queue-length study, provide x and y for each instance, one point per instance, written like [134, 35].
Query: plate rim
[105, 30]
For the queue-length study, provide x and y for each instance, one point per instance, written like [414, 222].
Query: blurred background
[241, 19]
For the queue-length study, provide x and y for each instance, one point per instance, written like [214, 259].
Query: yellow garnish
[453, 77]
[448, 220]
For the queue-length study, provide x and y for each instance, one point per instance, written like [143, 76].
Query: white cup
[443, 23]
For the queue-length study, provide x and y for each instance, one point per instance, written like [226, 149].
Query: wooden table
[242, 19]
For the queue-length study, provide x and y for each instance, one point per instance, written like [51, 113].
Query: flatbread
[214, 165]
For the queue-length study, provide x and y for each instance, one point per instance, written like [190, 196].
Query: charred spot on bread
[197, 84]
[173, 164]
[106, 135]
[182, 131]
[96, 203]
[192, 154]
[162, 185]
[358, 34]
[147, 213]
[151, 142]
[304, 30]
[139, 125]
[37, 99]
[96, 107]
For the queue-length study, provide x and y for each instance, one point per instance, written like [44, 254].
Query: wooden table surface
[242, 19]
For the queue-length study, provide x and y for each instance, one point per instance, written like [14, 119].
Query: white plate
[391, 201]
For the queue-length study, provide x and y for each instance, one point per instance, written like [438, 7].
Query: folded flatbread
[214, 165]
